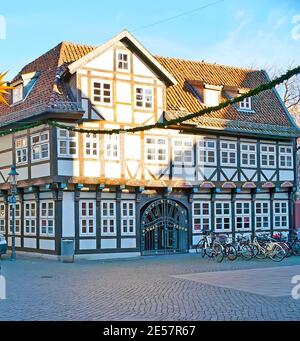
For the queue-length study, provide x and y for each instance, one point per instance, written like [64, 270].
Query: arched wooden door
[164, 227]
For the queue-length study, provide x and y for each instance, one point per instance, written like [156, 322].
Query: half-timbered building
[232, 171]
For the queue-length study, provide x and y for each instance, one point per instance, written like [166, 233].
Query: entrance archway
[164, 225]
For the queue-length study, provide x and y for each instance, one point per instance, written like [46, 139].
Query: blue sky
[249, 33]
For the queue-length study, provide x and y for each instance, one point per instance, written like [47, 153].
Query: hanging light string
[167, 123]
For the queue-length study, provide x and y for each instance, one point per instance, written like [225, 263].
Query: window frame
[128, 218]
[30, 218]
[246, 104]
[68, 139]
[18, 225]
[286, 155]
[228, 151]
[102, 89]
[201, 216]
[118, 60]
[156, 147]
[91, 139]
[223, 216]
[268, 154]
[23, 148]
[217, 92]
[47, 218]
[247, 153]
[143, 106]
[243, 215]
[39, 144]
[109, 145]
[262, 215]
[87, 218]
[3, 218]
[182, 151]
[109, 218]
[280, 215]
[204, 160]
[20, 89]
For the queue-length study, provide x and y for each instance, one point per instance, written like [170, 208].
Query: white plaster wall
[128, 243]
[68, 215]
[88, 244]
[108, 243]
[68, 167]
[30, 243]
[40, 170]
[46, 244]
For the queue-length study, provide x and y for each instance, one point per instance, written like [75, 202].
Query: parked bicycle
[244, 247]
[292, 245]
[264, 247]
[210, 247]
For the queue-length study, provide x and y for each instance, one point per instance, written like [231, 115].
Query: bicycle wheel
[200, 246]
[260, 252]
[296, 248]
[277, 253]
[230, 252]
[286, 248]
[218, 252]
[247, 252]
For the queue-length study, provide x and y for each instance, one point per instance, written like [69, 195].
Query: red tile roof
[50, 89]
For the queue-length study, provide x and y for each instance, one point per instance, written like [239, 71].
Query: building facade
[232, 171]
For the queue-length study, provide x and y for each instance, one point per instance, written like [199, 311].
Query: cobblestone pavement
[146, 288]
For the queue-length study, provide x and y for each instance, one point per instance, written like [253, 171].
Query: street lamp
[12, 180]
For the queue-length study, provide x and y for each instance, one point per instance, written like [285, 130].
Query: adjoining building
[233, 171]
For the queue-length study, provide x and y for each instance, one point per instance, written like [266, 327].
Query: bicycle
[229, 250]
[243, 247]
[264, 247]
[293, 245]
[210, 247]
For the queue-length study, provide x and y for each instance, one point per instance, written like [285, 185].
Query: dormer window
[17, 93]
[212, 95]
[23, 89]
[245, 104]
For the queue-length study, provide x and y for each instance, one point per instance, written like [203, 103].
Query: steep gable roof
[50, 90]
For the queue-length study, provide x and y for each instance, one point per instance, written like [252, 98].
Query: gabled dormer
[23, 86]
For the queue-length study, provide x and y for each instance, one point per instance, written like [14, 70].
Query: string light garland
[263, 87]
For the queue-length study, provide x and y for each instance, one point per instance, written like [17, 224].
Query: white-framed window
[262, 215]
[102, 92]
[128, 217]
[47, 216]
[183, 151]
[91, 146]
[246, 104]
[17, 94]
[2, 218]
[286, 157]
[21, 150]
[201, 216]
[87, 218]
[144, 97]
[207, 152]
[222, 216]
[67, 143]
[17, 217]
[248, 155]
[108, 218]
[243, 215]
[228, 153]
[122, 61]
[40, 146]
[156, 149]
[30, 218]
[212, 97]
[268, 155]
[112, 147]
[281, 214]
